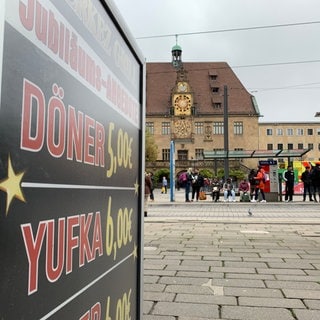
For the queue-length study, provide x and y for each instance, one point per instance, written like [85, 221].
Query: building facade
[196, 104]
[187, 106]
[291, 136]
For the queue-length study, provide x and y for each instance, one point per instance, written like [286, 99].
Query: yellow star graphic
[135, 252]
[136, 187]
[11, 186]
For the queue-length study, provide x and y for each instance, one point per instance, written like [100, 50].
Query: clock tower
[182, 106]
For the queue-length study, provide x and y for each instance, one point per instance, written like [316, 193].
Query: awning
[221, 154]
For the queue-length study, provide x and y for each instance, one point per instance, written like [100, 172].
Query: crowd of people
[250, 189]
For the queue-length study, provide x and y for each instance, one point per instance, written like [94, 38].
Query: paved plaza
[205, 260]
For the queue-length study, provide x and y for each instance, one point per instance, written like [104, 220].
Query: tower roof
[176, 47]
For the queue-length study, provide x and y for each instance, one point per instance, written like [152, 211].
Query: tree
[151, 149]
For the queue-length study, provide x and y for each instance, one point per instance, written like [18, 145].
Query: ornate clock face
[182, 104]
[182, 128]
[182, 87]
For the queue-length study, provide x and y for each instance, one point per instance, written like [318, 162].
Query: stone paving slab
[255, 313]
[221, 264]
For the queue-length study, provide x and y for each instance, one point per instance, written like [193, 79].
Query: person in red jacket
[260, 185]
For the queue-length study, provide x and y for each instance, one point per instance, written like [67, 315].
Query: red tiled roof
[161, 79]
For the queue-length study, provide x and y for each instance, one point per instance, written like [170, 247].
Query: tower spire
[176, 55]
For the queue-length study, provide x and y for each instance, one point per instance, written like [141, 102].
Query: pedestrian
[197, 184]
[189, 178]
[164, 185]
[253, 182]
[315, 178]
[307, 183]
[244, 188]
[216, 187]
[228, 191]
[259, 187]
[147, 191]
[288, 177]
[152, 186]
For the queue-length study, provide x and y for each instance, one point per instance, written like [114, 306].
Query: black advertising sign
[70, 162]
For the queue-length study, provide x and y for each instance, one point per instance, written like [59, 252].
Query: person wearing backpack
[253, 182]
[189, 178]
[197, 184]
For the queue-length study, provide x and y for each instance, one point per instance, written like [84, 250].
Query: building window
[318, 131]
[300, 145]
[269, 146]
[290, 146]
[310, 132]
[319, 146]
[166, 154]
[218, 128]
[299, 132]
[280, 146]
[238, 127]
[215, 90]
[183, 155]
[310, 146]
[279, 132]
[290, 132]
[216, 105]
[213, 77]
[165, 130]
[199, 153]
[198, 126]
[269, 132]
[150, 127]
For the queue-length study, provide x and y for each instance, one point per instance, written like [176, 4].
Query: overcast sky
[279, 65]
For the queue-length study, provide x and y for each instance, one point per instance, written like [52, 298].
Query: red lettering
[74, 52]
[99, 145]
[27, 14]
[53, 34]
[66, 132]
[33, 101]
[84, 247]
[97, 244]
[96, 311]
[75, 134]
[72, 241]
[56, 127]
[61, 243]
[54, 273]
[86, 316]
[41, 23]
[67, 45]
[33, 247]
[82, 62]
[88, 140]
[93, 314]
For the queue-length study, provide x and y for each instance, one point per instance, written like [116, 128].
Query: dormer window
[216, 105]
[215, 89]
